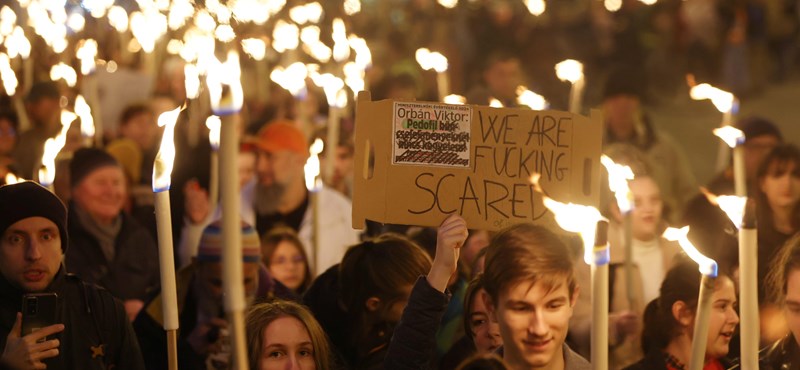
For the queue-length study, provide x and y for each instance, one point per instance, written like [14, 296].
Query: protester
[92, 331]
[282, 197]
[529, 270]
[626, 122]
[482, 335]
[502, 74]
[286, 259]
[136, 151]
[784, 286]
[530, 292]
[670, 320]
[198, 213]
[44, 112]
[341, 179]
[107, 246]
[203, 341]
[413, 343]
[777, 193]
[283, 335]
[476, 242]
[9, 124]
[359, 301]
[708, 224]
[137, 146]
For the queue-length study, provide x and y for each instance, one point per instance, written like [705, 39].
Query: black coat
[91, 317]
[414, 339]
[781, 355]
[134, 272]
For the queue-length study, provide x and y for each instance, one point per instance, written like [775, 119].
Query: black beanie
[85, 161]
[29, 199]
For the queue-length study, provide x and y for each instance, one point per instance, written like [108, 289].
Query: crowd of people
[404, 296]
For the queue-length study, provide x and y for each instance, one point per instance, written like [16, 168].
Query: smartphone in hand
[39, 310]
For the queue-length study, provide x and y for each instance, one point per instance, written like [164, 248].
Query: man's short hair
[133, 111]
[753, 127]
[500, 56]
[527, 253]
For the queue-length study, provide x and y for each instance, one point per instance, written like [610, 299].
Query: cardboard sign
[418, 162]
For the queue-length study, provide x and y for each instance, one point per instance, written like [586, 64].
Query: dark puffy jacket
[132, 274]
[94, 322]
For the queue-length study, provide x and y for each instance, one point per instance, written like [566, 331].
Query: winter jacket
[414, 340]
[97, 333]
[781, 355]
[134, 271]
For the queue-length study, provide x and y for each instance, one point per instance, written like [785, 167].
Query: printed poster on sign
[428, 134]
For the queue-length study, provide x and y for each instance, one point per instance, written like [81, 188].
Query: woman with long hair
[284, 255]
[669, 321]
[280, 333]
[777, 204]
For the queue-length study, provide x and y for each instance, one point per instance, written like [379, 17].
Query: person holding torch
[670, 320]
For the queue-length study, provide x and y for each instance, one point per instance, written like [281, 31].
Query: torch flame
[302, 14]
[449, 4]
[191, 80]
[52, 147]
[363, 54]
[707, 266]
[618, 177]
[530, 99]
[87, 51]
[285, 36]
[8, 19]
[227, 74]
[12, 179]
[354, 77]
[732, 205]
[64, 72]
[494, 103]
[311, 167]
[431, 60]
[10, 82]
[341, 47]
[574, 218]
[613, 5]
[17, 44]
[721, 99]
[730, 135]
[352, 6]
[331, 85]
[162, 168]
[455, 99]
[255, 48]
[214, 124]
[569, 70]
[536, 7]
[293, 78]
[85, 113]
[118, 18]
